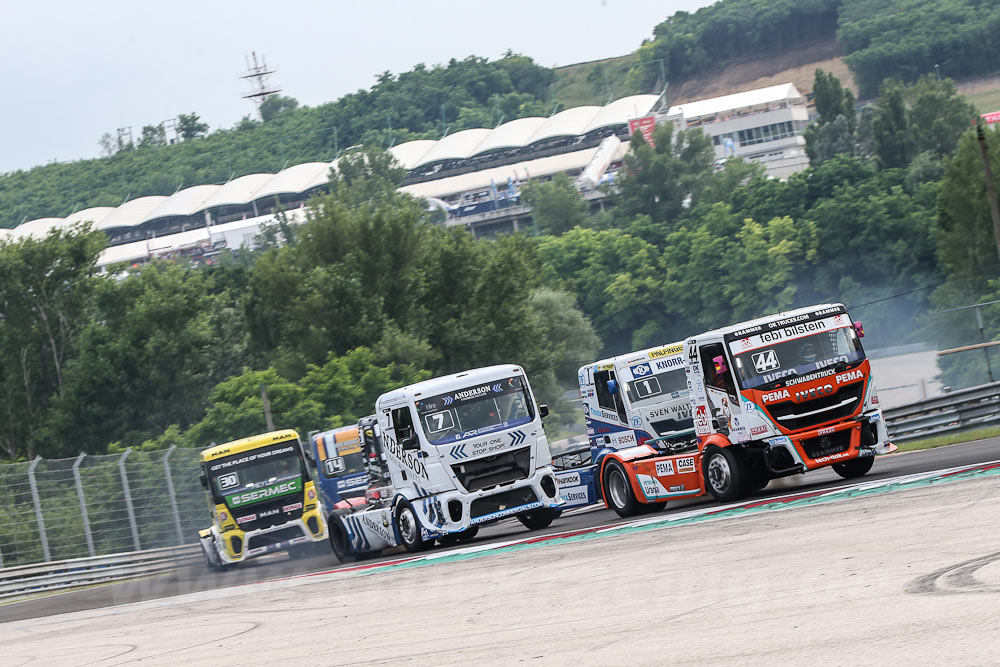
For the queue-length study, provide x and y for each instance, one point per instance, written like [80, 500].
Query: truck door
[720, 388]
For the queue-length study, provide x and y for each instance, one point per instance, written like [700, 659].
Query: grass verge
[950, 439]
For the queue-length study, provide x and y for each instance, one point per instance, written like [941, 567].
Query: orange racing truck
[768, 398]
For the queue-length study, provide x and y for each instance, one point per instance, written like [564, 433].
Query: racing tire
[466, 535]
[339, 543]
[538, 519]
[652, 508]
[757, 479]
[212, 560]
[407, 525]
[855, 467]
[618, 491]
[725, 474]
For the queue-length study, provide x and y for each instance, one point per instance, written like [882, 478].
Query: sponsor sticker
[666, 351]
[664, 468]
[245, 519]
[641, 370]
[292, 507]
[685, 464]
[265, 493]
[758, 430]
[568, 479]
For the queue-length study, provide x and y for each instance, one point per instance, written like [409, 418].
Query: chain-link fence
[93, 505]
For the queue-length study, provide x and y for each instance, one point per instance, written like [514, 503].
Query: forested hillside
[881, 38]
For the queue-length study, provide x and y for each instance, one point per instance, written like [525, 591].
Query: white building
[764, 125]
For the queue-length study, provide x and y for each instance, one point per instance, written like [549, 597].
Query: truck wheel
[538, 519]
[212, 559]
[855, 467]
[651, 508]
[466, 535]
[618, 490]
[408, 528]
[757, 478]
[725, 475]
[339, 543]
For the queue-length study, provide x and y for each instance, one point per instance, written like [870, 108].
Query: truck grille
[501, 501]
[825, 445]
[781, 412]
[280, 535]
[493, 470]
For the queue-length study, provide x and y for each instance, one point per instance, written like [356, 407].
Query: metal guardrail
[25, 580]
[964, 409]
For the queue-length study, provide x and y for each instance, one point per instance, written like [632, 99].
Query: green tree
[152, 136]
[662, 180]
[190, 126]
[892, 133]
[47, 289]
[556, 206]
[276, 105]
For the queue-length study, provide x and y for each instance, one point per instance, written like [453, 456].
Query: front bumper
[864, 435]
[457, 511]
[227, 543]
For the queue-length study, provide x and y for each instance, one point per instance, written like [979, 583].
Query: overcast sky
[73, 70]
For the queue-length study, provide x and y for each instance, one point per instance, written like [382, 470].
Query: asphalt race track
[197, 578]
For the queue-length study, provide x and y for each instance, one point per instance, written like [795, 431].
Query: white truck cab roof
[784, 315]
[446, 383]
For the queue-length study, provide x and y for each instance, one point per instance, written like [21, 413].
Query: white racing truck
[460, 451]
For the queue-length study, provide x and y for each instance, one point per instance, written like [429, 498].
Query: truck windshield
[651, 390]
[263, 468]
[781, 360]
[476, 410]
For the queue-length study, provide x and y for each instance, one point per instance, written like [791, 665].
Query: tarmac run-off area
[862, 577]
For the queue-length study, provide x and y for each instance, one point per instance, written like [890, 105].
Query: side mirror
[720, 364]
[612, 387]
[204, 480]
[410, 442]
[308, 453]
[859, 329]
[543, 410]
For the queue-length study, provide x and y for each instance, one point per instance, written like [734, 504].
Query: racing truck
[766, 398]
[460, 451]
[262, 500]
[341, 464]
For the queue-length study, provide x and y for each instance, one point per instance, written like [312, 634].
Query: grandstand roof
[621, 111]
[183, 202]
[408, 154]
[514, 134]
[568, 123]
[38, 228]
[738, 101]
[131, 213]
[94, 215]
[455, 146]
[240, 190]
[295, 179]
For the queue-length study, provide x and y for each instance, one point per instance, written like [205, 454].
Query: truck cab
[262, 499]
[792, 392]
[460, 451]
[768, 398]
[341, 464]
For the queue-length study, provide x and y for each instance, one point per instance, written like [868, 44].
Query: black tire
[652, 508]
[538, 519]
[725, 474]
[757, 478]
[339, 543]
[407, 525]
[214, 562]
[466, 535]
[855, 467]
[618, 490]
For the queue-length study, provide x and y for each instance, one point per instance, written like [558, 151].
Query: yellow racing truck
[262, 500]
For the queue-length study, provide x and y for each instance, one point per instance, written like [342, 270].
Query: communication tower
[258, 74]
